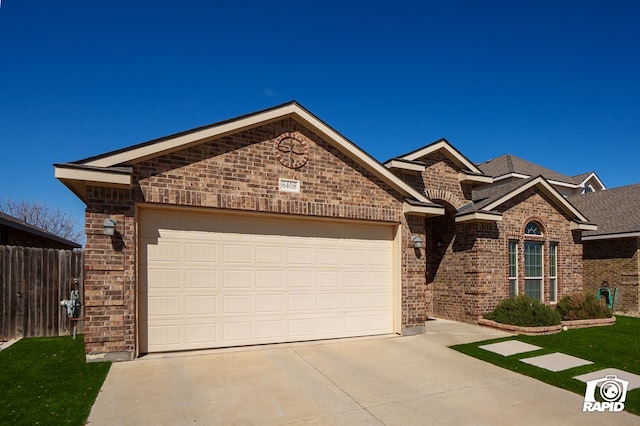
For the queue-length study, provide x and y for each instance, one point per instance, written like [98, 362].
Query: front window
[553, 272]
[533, 270]
[513, 268]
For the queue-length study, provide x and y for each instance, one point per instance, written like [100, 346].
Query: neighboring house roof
[113, 169]
[487, 199]
[15, 223]
[508, 165]
[616, 211]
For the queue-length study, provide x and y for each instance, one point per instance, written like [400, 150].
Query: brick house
[273, 227]
[612, 252]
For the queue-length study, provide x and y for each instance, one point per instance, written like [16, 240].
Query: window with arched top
[533, 228]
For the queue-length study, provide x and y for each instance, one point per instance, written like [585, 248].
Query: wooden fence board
[33, 281]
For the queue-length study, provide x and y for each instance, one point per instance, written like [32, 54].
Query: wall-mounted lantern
[417, 241]
[109, 227]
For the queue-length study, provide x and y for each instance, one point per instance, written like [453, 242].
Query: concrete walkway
[386, 380]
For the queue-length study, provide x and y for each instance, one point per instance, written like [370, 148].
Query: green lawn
[47, 381]
[616, 346]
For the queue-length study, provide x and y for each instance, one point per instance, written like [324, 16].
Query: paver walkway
[558, 362]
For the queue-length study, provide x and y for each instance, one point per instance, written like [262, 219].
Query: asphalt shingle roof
[507, 164]
[615, 210]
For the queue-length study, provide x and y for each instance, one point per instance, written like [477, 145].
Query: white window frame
[513, 278]
[540, 278]
[553, 272]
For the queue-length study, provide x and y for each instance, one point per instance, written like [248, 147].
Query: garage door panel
[201, 305]
[241, 304]
[162, 306]
[164, 278]
[201, 253]
[301, 303]
[270, 303]
[200, 279]
[269, 279]
[164, 252]
[301, 278]
[237, 279]
[270, 255]
[218, 280]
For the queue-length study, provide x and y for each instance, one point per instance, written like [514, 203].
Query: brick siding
[236, 172]
[615, 264]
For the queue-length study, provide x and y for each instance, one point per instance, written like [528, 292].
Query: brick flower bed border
[533, 331]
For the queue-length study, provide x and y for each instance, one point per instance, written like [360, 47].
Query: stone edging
[589, 323]
[564, 325]
[529, 331]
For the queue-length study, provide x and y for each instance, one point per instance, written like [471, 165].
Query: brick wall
[616, 264]
[238, 172]
[468, 262]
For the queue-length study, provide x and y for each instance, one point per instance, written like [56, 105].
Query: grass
[616, 346]
[47, 381]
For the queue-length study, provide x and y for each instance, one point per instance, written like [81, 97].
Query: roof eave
[77, 177]
[479, 216]
[611, 236]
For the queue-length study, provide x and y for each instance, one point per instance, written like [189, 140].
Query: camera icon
[612, 394]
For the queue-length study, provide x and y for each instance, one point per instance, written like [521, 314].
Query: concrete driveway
[389, 380]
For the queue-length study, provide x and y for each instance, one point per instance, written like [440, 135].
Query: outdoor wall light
[417, 241]
[109, 227]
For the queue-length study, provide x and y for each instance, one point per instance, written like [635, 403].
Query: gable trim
[453, 153]
[105, 169]
[548, 189]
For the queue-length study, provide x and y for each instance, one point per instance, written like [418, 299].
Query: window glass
[513, 268]
[533, 270]
[533, 228]
[553, 272]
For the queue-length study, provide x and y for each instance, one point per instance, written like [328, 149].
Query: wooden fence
[33, 281]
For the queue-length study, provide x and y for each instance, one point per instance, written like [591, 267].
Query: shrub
[585, 305]
[525, 312]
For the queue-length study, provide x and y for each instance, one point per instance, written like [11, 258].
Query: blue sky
[556, 82]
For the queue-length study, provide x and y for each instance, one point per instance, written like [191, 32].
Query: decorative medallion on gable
[291, 150]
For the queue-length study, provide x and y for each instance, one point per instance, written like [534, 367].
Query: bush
[578, 306]
[525, 312]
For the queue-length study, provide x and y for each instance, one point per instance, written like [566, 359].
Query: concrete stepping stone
[510, 347]
[633, 379]
[556, 361]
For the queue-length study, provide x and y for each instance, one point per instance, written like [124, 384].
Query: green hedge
[585, 305]
[525, 312]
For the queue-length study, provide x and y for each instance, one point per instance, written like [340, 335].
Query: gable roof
[114, 169]
[20, 225]
[485, 200]
[470, 173]
[616, 211]
[509, 165]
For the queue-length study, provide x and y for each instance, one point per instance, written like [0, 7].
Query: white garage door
[215, 280]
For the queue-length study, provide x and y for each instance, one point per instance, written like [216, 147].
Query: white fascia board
[565, 184]
[410, 209]
[100, 177]
[479, 217]
[611, 236]
[550, 190]
[594, 177]
[468, 178]
[412, 167]
[449, 149]
[182, 141]
[576, 226]
[511, 175]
